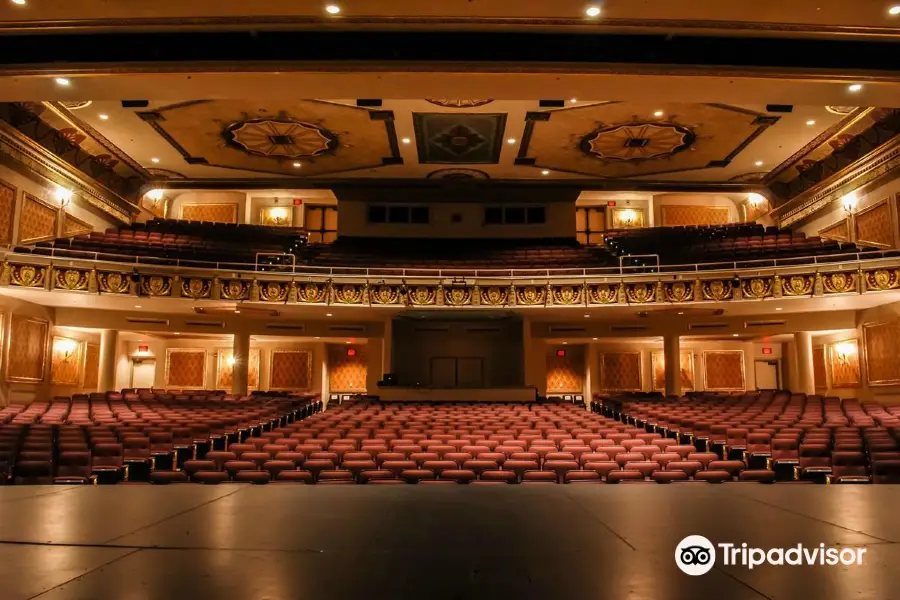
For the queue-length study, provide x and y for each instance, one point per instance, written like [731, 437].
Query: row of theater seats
[792, 436]
[112, 437]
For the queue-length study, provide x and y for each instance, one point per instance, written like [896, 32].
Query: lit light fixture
[778, 308]
[154, 160]
[592, 11]
[758, 163]
[405, 140]
[62, 81]
[347, 342]
[658, 113]
[138, 306]
[595, 339]
[328, 314]
[297, 165]
[317, 337]
[231, 361]
[587, 316]
[573, 100]
[893, 11]
[22, 2]
[628, 218]
[545, 172]
[155, 195]
[103, 117]
[237, 311]
[844, 351]
[511, 141]
[177, 333]
[565, 343]
[333, 9]
[854, 87]
[849, 201]
[680, 312]
[63, 195]
[734, 335]
[755, 199]
[811, 122]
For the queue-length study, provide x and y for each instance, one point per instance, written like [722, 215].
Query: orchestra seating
[211, 439]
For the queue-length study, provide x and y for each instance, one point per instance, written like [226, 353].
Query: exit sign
[298, 201]
[767, 351]
[611, 203]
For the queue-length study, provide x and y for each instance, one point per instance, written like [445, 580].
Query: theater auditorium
[468, 300]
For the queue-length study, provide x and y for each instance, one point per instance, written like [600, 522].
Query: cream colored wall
[645, 204]
[660, 200]
[353, 221]
[210, 197]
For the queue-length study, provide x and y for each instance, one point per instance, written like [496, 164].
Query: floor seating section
[773, 435]
[188, 243]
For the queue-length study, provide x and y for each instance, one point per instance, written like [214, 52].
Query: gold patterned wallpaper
[186, 368]
[844, 358]
[37, 221]
[347, 374]
[565, 374]
[27, 349]
[658, 363]
[724, 370]
[620, 371]
[73, 226]
[157, 207]
[291, 370]
[839, 231]
[65, 360]
[7, 212]
[882, 347]
[693, 214]
[91, 366]
[278, 215]
[874, 226]
[225, 369]
[216, 213]
[819, 374]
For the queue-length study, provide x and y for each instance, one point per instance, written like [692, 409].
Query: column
[805, 374]
[106, 380]
[672, 355]
[386, 348]
[590, 360]
[297, 215]
[240, 370]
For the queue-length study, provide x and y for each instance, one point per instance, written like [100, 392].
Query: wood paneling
[693, 214]
[882, 347]
[91, 366]
[844, 359]
[7, 212]
[565, 374]
[27, 349]
[225, 370]
[724, 370]
[65, 360]
[839, 231]
[73, 226]
[186, 368]
[291, 370]
[347, 374]
[620, 371]
[37, 221]
[819, 373]
[658, 363]
[874, 226]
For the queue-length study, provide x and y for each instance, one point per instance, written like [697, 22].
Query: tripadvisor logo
[696, 555]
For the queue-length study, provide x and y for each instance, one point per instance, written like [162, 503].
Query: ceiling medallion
[457, 174]
[637, 141]
[840, 110]
[458, 103]
[76, 104]
[280, 138]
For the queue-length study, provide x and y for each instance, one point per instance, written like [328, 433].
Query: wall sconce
[62, 195]
[231, 360]
[756, 200]
[845, 352]
[278, 215]
[64, 348]
[628, 218]
[155, 195]
[848, 202]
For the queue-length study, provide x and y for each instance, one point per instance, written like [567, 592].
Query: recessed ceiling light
[62, 81]
[103, 117]
[297, 165]
[854, 88]
[573, 100]
[681, 312]
[237, 312]
[317, 337]
[177, 333]
[22, 2]
[405, 140]
[545, 172]
[658, 113]
[592, 11]
[894, 10]
[734, 335]
[137, 306]
[154, 160]
[758, 163]
[810, 122]
[511, 141]
[779, 308]
[587, 316]
[332, 9]
[347, 342]
[565, 343]
[595, 339]
[328, 314]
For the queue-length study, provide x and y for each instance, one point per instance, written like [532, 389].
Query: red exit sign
[767, 351]
[298, 201]
[611, 203]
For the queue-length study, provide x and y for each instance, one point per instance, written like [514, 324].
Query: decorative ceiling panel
[459, 138]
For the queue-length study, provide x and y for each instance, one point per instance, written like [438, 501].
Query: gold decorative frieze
[273, 291]
[422, 295]
[882, 279]
[196, 288]
[349, 293]
[494, 295]
[312, 293]
[531, 295]
[113, 283]
[797, 285]
[640, 293]
[568, 294]
[384, 294]
[758, 287]
[717, 289]
[603, 293]
[73, 280]
[457, 296]
[679, 291]
[156, 285]
[34, 276]
[234, 289]
[839, 283]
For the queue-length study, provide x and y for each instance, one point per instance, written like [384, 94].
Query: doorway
[143, 373]
[767, 375]
[452, 372]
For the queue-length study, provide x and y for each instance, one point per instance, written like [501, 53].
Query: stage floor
[194, 542]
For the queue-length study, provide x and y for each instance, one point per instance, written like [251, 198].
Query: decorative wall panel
[157, 208]
[38, 220]
[225, 369]
[723, 370]
[565, 374]
[844, 358]
[658, 362]
[839, 231]
[627, 218]
[819, 374]
[874, 226]
[620, 371]
[7, 212]
[91, 366]
[186, 368]
[882, 352]
[754, 212]
[65, 360]
[73, 226]
[279, 215]
[691, 214]
[216, 213]
[347, 374]
[291, 370]
[27, 349]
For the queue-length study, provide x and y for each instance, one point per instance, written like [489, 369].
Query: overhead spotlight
[62, 81]
[511, 141]
[297, 165]
[154, 160]
[103, 117]
[545, 172]
[658, 113]
[592, 11]
[405, 140]
[332, 9]
[810, 122]
[758, 163]
[854, 87]
[893, 11]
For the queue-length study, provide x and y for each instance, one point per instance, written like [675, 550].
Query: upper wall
[694, 209]
[225, 207]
